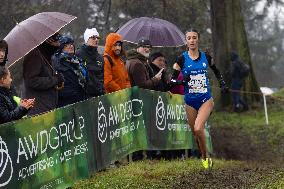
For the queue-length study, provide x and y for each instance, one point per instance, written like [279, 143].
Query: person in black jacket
[237, 83]
[40, 79]
[158, 62]
[94, 63]
[71, 67]
[9, 109]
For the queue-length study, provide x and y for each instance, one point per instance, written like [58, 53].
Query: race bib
[197, 83]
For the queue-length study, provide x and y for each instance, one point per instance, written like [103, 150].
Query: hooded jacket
[139, 71]
[115, 75]
[9, 110]
[236, 68]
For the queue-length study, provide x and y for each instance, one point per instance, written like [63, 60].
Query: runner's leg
[202, 117]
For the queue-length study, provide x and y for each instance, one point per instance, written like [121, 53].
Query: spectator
[139, 70]
[239, 71]
[94, 63]
[40, 79]
[158, 62]
[3, 52]
[141, 75]
[9, 109]
[75, 74]
[115, 74]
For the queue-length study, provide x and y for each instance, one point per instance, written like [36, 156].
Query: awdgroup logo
[6, 166]
[160, 114]
[102, 123]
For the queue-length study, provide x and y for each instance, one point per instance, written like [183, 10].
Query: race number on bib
[197, 83]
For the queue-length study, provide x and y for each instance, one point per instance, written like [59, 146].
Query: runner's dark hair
[193, 30]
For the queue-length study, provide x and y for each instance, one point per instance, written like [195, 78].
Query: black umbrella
[160, 32]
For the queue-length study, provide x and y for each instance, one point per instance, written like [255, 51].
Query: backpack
[244, 69]
[111, 61]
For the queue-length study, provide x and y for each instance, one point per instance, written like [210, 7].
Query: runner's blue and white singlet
[197, 90]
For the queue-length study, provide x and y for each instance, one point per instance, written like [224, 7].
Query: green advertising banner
[56, 149]
[119, 126]
[47, 151]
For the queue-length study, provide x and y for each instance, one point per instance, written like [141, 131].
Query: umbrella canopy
[160, 32]
[30, 33]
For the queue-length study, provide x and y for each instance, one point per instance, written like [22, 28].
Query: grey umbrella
[30, 33]
[160, 32]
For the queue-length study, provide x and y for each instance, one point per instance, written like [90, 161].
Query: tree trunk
[228, 34]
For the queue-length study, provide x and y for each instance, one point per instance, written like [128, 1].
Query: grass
[253, 123]
[279, 94]
[186, 174]
[147, 174]
[246, 129]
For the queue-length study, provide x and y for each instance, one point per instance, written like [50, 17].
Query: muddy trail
[245, 176]
[261, 159]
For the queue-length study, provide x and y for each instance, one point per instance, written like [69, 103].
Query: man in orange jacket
[115, 74]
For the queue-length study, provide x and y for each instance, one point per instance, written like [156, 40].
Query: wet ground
[262, 165]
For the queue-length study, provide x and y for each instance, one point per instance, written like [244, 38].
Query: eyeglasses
[95, 37]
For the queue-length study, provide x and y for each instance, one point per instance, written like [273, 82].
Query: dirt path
[262, 165]
[248, 175]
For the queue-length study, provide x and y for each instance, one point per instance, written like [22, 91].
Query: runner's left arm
[218, 75]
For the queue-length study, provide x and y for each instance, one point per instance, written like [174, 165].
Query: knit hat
[89, 33]
[65, 39]
[155, 55]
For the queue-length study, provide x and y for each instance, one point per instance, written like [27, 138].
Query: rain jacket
[75, 78]
[39, 79]
[9, 110]
[115, 75]
[139, 71]
[95, 66]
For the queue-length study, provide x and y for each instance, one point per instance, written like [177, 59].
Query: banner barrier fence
[60, 147]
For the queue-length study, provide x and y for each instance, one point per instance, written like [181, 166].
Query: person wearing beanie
[3, 52]
[115, 74]
[88, 52]
[139, 70]
[157, 63]
[72, 68]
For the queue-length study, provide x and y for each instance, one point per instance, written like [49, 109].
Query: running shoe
[207, 163]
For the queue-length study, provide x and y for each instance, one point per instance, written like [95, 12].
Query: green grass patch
[279, 94]
[245, 134]
[149, 174]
